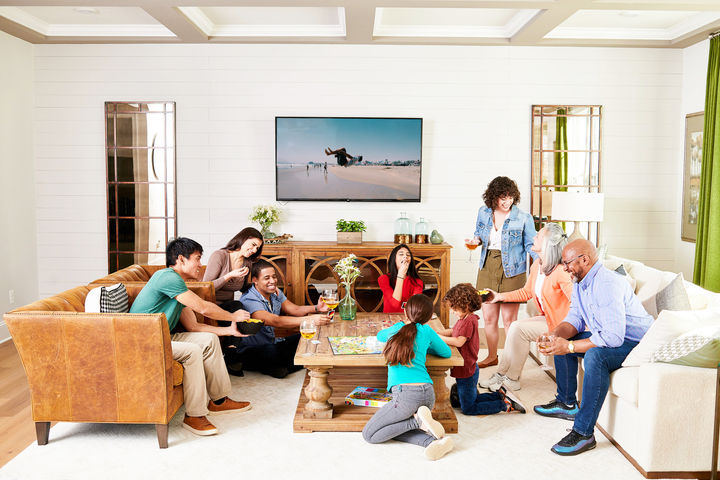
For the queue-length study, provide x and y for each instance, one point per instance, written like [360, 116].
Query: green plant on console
[350, 225]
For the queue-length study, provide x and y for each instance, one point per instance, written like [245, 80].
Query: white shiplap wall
[475, 102]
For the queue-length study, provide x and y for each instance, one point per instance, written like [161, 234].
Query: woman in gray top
[229, 267]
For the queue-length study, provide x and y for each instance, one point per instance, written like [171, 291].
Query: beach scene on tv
[348, 158]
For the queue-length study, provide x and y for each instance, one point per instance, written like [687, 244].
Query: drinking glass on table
[471, 244]
[308, 330]
[330, 298]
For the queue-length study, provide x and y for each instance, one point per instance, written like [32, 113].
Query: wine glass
[543, 344]
[330, 298]
[308, 330]
[471, 244]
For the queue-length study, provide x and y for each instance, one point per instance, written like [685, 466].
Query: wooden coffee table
[330, 378]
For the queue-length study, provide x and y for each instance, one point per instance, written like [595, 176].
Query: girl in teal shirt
[407, 417]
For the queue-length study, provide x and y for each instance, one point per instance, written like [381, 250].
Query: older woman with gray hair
[551, 287]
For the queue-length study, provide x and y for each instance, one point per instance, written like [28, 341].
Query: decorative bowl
[250, 327]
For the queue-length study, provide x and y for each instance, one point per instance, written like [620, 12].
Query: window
[141, 197]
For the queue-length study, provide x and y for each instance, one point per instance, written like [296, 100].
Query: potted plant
[265, 215]
[350, 231]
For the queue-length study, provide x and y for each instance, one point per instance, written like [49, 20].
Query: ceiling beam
[21, 31]
[176, 22]
[545, 21]
[359, 23]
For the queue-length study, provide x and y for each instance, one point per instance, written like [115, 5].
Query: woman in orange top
[551, 287]
[402, 280]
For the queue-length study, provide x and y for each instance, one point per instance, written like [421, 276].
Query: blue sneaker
[557, 409]
[574, 443]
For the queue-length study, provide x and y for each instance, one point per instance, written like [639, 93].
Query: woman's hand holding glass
[471, 244]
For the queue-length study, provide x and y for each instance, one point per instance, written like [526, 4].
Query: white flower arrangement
[265, 215]
[347, 270]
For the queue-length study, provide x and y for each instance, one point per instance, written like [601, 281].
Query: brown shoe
[228, 406]
[199, 426]
[487, 363]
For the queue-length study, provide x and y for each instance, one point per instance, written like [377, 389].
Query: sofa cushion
[621, 270]
[673, 296]
[107, 299]
[668, 326]
[624, 384]
[697, 348]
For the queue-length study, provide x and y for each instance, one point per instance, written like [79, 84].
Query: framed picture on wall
[691, 177]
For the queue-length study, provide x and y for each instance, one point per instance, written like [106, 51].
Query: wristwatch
[571, 346]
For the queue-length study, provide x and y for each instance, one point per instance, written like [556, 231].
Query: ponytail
[399, 349]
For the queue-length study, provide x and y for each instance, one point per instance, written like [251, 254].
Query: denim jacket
[518, 233]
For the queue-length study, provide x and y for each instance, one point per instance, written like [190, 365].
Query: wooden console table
[331, 377]
[303, 267]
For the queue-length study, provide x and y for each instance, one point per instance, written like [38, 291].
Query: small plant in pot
[265, 215]
[350, 231]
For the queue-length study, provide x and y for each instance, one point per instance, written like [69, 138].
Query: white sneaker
[439, 448]
[428, 424]
[511, 384]
[496, 378]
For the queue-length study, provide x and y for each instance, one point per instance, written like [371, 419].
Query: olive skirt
[493, 276]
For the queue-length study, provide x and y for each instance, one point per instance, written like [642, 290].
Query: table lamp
[577, 207]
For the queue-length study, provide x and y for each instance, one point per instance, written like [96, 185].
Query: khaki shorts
[493, 276]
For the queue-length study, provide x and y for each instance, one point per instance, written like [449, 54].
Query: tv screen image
[343, 159]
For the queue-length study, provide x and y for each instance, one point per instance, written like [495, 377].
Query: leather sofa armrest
[94, 366]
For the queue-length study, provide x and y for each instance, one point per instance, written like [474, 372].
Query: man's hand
[240, 315]
[319, 319]
[558, 346]
[233, 331]
[321, 307]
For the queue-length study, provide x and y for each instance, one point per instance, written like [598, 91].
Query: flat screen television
[348, 159]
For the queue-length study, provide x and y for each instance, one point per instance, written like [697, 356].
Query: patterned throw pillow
[697, 348]
[110, 299]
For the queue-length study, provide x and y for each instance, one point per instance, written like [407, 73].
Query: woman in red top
[401, 282]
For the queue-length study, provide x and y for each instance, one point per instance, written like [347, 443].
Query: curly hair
[463, 297]
[500, 187]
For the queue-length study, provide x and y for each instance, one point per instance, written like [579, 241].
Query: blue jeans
[474, 403]
[395, 420]
[599, 363]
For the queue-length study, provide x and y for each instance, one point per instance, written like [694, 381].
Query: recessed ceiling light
[625, 13]
[87, 10]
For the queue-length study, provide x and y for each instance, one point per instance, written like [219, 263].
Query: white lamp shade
[577, 206]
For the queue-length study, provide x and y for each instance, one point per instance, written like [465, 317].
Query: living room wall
[695, 62]
[18, 269]
[475, 102]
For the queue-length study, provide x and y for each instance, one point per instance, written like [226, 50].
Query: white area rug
[260, 443]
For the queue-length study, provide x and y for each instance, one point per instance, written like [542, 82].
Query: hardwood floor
[15, 419]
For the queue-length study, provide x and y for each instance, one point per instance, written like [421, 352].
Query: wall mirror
[566, 158]
[141, 198]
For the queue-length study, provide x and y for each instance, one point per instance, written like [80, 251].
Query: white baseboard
[4, 332]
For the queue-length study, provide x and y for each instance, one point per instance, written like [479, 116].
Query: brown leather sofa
[97, 367]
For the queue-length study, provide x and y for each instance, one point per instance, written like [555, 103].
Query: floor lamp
[577, 207]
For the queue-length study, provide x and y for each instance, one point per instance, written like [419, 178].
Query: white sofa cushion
[668, 326]
[624, 384]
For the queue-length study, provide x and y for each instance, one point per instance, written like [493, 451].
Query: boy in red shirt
[463, 299]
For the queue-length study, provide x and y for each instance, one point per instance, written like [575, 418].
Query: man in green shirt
[198, 347]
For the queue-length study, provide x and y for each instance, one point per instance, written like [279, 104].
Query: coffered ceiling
[638, 23]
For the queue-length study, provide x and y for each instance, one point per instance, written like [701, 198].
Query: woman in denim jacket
[503, 256]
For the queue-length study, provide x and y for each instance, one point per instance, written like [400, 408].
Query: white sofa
[659, 414]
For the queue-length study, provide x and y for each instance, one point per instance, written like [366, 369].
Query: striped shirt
[604, 304]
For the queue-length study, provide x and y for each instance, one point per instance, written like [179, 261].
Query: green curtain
[561, 143]
[707, 248]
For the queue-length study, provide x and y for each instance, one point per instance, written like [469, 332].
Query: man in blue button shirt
[265, 301]
[606, 320]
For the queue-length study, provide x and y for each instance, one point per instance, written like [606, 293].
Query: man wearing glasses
[606, 320]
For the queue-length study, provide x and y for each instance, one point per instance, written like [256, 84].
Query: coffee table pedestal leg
[318, 392]
[442, 411]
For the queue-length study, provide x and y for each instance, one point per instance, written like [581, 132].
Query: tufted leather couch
[97, 367]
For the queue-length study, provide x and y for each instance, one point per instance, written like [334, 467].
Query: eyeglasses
[567, 263]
